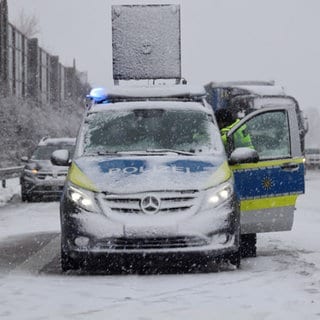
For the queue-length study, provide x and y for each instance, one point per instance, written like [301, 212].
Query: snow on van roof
[174, 91]
[242, 83]
[54, 141]
[261, 88]
[132, 105]
[275, 101]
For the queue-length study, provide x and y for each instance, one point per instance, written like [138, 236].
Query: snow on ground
[10, 192]
[16, 219]
[283, 282]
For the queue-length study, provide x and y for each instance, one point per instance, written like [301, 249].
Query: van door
[268, 189]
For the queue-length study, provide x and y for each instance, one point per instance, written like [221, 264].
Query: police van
[268, 189]
[150, 175]
[150, 178]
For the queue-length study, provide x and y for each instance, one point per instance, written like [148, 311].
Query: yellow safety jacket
[241, 136]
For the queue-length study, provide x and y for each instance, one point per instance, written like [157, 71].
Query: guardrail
[9, 173]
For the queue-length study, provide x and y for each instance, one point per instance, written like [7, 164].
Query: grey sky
[221, 39]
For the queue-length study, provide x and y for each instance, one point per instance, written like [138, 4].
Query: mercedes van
[150, 177]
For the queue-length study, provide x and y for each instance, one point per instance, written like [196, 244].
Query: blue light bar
[98, 95]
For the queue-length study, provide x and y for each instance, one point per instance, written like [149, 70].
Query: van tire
[233, 258]
[248, 245]
[68, 263]
[24, 195]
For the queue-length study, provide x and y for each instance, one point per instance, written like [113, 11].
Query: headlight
[82, 198]
[218, 195]
[30, 172]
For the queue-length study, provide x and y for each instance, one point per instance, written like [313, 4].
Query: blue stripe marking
[263, 182]
[109, 165]
[193, 166]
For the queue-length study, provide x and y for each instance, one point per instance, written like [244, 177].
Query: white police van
[149, 178]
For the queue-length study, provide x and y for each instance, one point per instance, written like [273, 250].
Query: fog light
[214, 199]
[81, 241]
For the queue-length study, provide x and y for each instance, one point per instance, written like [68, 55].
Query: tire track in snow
[36, 262]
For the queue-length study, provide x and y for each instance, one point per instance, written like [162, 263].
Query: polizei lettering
[139, 166]
[139, 170]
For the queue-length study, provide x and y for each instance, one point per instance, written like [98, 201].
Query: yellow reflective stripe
[222, 174]
[269, 163]
[264, 203]
[77, 177]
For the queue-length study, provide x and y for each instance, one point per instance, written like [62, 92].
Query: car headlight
[218, 195]
[83, 198]
[31, 172]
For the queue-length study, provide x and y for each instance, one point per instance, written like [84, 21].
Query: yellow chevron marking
[77, 177]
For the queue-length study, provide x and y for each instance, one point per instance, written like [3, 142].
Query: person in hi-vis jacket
[226, 121]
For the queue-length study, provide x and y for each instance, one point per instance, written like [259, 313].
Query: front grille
[49, 176]
[170, 202]
[48, 188]
[150, 243]
[43, 176]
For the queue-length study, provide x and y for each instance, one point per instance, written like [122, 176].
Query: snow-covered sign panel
[146, 42]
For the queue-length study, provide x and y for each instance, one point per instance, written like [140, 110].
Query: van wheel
[234, 258]
[68, 263]
[248, 245]
[24, 195]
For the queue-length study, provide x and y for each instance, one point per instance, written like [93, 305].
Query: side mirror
[60, 157]
[24, 159]
[243, 155]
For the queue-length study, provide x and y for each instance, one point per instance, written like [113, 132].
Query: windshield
[44, 152]
[143, 130]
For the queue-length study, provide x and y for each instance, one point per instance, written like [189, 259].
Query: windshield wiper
[121, 153]
[186, 153]
[106, 152]
[142, 152]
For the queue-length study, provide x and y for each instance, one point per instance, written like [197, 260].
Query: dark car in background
[312, 156]
[40, 177]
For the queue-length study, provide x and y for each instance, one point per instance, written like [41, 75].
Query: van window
[269, 133]
[139, 130]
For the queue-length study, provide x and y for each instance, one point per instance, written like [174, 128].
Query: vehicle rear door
[268, 189]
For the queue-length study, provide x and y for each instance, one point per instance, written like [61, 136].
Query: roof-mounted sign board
[146, 42]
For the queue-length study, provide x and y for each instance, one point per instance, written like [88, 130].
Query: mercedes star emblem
[150, 204]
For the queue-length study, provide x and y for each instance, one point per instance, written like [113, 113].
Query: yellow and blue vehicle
[268, 189]
[149, 179]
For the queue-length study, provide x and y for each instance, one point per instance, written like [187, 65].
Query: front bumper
[158, 261]
[207, 234]
[37, 187]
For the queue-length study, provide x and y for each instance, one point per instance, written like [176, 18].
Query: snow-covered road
[283, 282]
